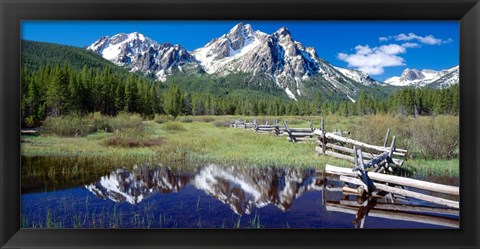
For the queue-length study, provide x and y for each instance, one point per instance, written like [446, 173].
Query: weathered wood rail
[362, 183]
[378, 211]
[242, 124]
[274, 128]
[381, 180]
[384, 205]
[298, 134]
[29, 132]
[332, 144]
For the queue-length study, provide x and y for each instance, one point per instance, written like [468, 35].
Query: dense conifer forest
[58, 80]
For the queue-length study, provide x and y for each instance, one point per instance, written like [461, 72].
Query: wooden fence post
[386, 138]
[292, 138]
[277, 130]
[390, 154]
[392, 147]
[323, 136]
[355, 158]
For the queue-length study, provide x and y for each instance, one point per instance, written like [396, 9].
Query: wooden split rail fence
[298, 134]
[292, 134]
[417, 189]
[268, 129]
[395, 212]
[337, 146]
[242, 124]
[375, 183]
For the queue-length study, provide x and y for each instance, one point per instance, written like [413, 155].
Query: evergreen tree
[131, 95]
[173, 102]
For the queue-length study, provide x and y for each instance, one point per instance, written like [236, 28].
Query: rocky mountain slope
[237, 187]
[279, 56]
[275, 59]
[429, 78]
[137, 52]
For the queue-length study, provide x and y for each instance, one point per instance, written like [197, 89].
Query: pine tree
[318, 103]
[131, 95]
[173, 102]
[57, 91]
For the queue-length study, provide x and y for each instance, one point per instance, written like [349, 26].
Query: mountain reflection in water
[214, 196]
[241, 188]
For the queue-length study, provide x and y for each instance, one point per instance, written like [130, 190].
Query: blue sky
[380, 48]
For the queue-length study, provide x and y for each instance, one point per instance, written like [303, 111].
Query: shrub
[124, 121]
[292, 121]
[173, 126]
[185, 119]
[101, 122]
[29, 121]
[67, 126]
[160, 119]
[220, 123]
[372, 129]
[127, 141]
[436, 137]
[206, 119]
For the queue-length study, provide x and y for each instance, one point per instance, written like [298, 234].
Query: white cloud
[429, 39]
[383, 38]
[374, 60]
[447, 40]
[392, 49]
[410, 45]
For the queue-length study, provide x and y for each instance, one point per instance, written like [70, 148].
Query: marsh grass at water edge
[436, 151]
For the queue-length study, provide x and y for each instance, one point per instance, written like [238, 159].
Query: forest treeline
[62, 89]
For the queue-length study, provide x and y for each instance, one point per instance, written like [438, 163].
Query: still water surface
[210, 196]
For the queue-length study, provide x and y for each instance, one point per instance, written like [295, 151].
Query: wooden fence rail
[298, 134]
[332, 144]
[380, 181]
[243, 124]
[268, 129]
[393, 215]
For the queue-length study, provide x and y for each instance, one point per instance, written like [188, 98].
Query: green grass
[197, 142]
[423, 167]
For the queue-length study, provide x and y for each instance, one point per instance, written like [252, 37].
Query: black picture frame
[467, 12]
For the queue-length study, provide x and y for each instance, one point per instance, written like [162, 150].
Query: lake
[213, 196]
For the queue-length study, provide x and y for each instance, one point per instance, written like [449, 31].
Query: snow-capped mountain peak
[277, 56]
[241, 188]
[115, 47]
[276, 59]
[220, 51]
[412, 74]
[283, 32]
[240, 31]
[137, 52]
[413, 77]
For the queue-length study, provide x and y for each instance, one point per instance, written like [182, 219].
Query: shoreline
[195, 143]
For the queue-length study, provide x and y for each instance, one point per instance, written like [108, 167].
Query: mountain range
[276, 59]
[417, 78]
[242, 189]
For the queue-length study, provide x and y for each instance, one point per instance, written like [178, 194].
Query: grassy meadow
[126, 140]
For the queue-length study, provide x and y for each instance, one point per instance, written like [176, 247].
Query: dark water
[213, 196]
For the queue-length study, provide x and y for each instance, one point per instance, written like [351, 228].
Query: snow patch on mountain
[351, 99]
[290, 94]
[358, 76]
